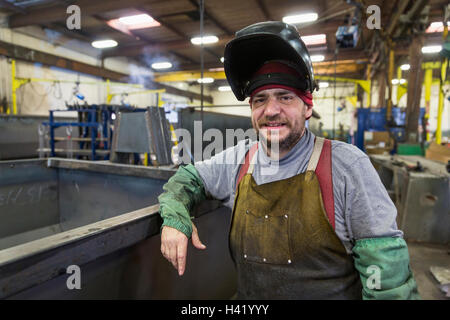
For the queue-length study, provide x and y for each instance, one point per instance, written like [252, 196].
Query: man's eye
[286, 98]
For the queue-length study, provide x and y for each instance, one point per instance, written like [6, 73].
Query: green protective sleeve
[181, 193]
[383, 265]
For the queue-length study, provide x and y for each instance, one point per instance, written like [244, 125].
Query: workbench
[419, 188]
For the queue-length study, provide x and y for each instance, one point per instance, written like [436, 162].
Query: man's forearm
[182, 192]
[383, 265]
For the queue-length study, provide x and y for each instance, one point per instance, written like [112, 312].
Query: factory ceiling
[176, 22]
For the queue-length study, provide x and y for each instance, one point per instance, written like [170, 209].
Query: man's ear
[308, 112]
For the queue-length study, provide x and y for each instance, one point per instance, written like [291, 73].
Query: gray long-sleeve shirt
[363, 208]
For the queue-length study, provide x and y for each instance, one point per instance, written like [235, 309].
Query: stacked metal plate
[143, 132]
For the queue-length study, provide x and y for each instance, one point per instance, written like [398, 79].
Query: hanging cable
[334, 94]
[202, 10]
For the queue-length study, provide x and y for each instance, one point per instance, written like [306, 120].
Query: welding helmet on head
[262, 42]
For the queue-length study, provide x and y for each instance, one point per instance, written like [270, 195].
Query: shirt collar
[301, 152]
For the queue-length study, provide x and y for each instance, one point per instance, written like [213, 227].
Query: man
[322, 226]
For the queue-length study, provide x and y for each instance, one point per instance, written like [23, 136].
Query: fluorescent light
[405, 67]
[205, 80]
[204, 40]
[137, 19]
[437, 27]
[162, 65]
[431, 49]
[100, 44]
[317, 58]
[395, 81]
[402, 81]
[222, 59]
[315, 39]
[224, 88]
[323, 84]
[301, 18]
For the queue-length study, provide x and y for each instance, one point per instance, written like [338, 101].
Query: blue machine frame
[374, 119]
[98, 117]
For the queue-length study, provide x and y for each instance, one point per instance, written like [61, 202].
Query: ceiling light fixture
[315, 39]
[301, 18]
[101, 44]
[432, 49]
[205, 80]
[437, 27]
[317, 58]
[224, 88]
[161, 65]
[204, 40]
[137, 19]
[398, 81]
[405, 67]
[222, 59]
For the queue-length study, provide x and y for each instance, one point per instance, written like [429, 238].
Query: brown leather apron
[283, 244]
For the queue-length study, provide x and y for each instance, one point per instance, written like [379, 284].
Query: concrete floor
[423, 256]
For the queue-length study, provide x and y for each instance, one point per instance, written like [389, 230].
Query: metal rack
[95, 125]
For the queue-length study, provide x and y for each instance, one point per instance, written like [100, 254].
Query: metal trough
[103, 218]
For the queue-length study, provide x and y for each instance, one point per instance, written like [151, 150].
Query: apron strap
[314, 160]
[325, 177]
[246, 167]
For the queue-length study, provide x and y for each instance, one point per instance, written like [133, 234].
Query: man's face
[279, 116]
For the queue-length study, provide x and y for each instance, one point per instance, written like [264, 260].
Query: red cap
[278, 67]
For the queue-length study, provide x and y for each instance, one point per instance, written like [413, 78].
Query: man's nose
[273, 107]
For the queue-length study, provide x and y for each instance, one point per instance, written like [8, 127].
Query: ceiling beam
[344, 66]
[174, 30]
[11, 6]
[264, 10]
[58, 12]
[213, 18]
[349, 55]
[33, 56]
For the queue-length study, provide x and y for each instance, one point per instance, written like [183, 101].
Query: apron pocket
[266, 239]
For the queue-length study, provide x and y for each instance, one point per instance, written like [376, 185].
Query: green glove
[183, 191]
[383, 265]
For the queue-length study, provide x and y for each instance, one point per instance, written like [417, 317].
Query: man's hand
[174, 246]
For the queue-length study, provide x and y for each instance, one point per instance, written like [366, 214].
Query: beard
[296, 132]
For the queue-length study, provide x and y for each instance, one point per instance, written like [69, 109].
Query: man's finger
[173, 256]
[181, 256]
[196, 240]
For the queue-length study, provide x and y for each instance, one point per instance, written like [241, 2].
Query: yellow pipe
[187, 76]
[108, 91]
[443, 75]
[13, 86]
[399, 76]
[428, 80]
[441, 102]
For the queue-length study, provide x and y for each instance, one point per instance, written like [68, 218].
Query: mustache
[273, 119]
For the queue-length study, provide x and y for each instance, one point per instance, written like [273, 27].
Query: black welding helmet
[262, 42]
